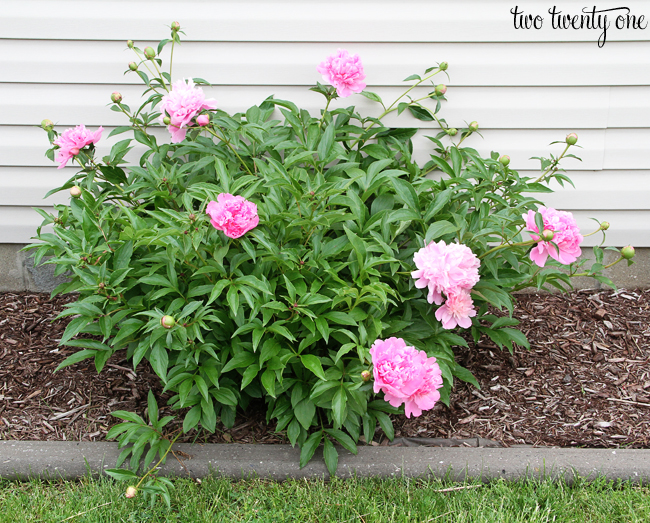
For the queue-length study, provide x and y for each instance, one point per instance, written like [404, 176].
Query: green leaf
[243, 359]
[331, 456]
[339, 407]
[465, 375]
[406, 193]
[438, 229]
[76, 358]
[192, 418]
[313, 364]
[152, 407]
[121, 474]
[159, 360]
[386, 424]
[372, 96]
[420, 113]
[309, 447]
[343, 439]
[224, 396]
[326, 142]
[305, 411]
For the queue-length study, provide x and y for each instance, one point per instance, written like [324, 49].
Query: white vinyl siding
[61, 60]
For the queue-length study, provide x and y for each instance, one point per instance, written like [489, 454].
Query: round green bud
[627, 252]
[505, 160]
[116, 97]
[365, 375]
[572, 138]
[441, 89]
[149, 53]
[129, 44]
[47, 125]
[604, 226]
[75, 191]
[167, 120]
[473, 127]
[176, 27]
[167, 321]
[443, 66]
[133, 66]
[547, 235]
[452, 132]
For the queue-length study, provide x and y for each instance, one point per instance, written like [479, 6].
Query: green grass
[367, 500]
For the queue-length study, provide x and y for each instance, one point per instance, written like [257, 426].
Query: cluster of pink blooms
[405, 375]
[234, 215]
[181, 104]
[343, 71]
[72, 141]
[453, 270]
[566, 235]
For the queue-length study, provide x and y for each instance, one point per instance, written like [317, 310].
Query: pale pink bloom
[203, 120]
[566, 235]
[343, 71]
[445, 268]
[234, 215]
[405, 375]
[457, 310]
[72, 140]
[182, 104]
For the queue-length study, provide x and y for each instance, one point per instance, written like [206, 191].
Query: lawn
[363, 500]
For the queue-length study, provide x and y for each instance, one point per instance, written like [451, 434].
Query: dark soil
[585, 381]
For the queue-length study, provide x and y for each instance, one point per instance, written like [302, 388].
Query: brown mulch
[585, 381]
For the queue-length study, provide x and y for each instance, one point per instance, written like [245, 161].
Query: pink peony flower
[182, 104]
[72, 141]
[405, 375]
[457, 310]
[344, 72]
[445, 268]
[566, 235]
[234, 215]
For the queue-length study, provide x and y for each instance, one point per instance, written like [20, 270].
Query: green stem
[159, 461]
[171, 59]
[553, 165]
[504, 245]
[320, 124]
[605, 267]
[224, 140]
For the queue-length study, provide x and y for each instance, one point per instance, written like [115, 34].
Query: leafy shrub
[287, 311]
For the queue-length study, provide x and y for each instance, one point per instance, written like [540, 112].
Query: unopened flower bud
[47, 125]
[627, 252]
[116, 97]
[131, 492]
[547, 235]
[75, 191]
[473, 127]
[74, 151]
[167, 321]
[101, 285]
[441, 89]
[167, 120]
[192, 217]
[365, 375]
[452, 132]
[176, 27]
[443, 66]
[505, 159]
[129, 44]
[604, 226]
[133, 66]
[203, 120]
[572, 138]
[149, 53]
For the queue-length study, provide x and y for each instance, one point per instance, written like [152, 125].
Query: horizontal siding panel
[611, 190]
[18, 225]
[25, 146]
[492, 107]
[272, 63]
[424, 20]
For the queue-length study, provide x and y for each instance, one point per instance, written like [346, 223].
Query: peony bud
[627, 252]
[473, 127]
[133, 66]
[441, 89]
[505, 160]
[167, 321]
[572, 138]
[149, 53]
[131, 492]
[604, 226]
[167, 120]
[365, 375]
[75, 191]
[176, 27]
[47, 125]
[443, 66]
[192, 217]
[74, 151]
[547, 235]
[116, 97]
[203, 120]
[129, 44]
[452, 131]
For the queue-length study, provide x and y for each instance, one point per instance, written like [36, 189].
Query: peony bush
[306, 262]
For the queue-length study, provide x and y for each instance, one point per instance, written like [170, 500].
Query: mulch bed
[585, 381]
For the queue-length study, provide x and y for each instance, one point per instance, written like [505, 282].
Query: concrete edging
[70, 460]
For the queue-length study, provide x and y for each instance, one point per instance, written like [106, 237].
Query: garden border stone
[72, 460]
